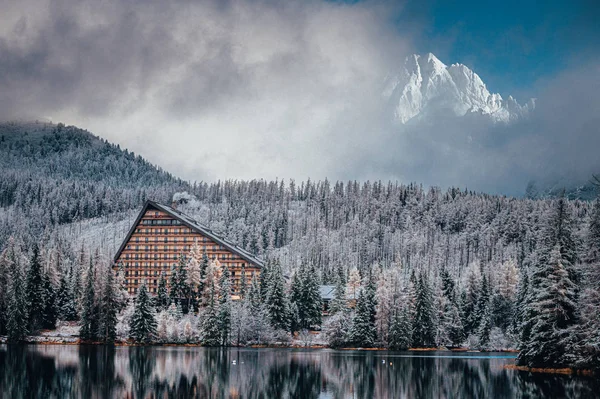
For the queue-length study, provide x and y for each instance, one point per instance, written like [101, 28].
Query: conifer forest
[412, 266]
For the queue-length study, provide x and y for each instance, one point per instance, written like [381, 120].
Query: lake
[62, 371]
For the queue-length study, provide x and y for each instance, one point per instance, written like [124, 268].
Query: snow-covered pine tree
[89, 314]
[339, 303]
[107, 329]
[16, 316]
[143, 323]
[121, 294]
[183, 289]
[276, 303]
[552, 308]
[363, 330]
[49, 310]
[35, 292]
[224, 313]
[174, 289]
[591, 295]
[400, 334]
[162, 294]
[194, 271]
[65, 300]
[210, 334]
[211, 283]
[423, 328]
[312, 303]
[485, 327]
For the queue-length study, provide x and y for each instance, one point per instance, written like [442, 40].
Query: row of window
[185, 249]
[166, 265]
[161, 222]
[164, 231]
[138, 239]
[146, 273]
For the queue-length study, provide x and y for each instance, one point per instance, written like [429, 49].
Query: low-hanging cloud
[251, 88]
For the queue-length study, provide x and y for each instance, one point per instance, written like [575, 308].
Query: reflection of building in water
[161, 235]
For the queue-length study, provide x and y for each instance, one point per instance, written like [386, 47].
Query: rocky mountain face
[424, 87]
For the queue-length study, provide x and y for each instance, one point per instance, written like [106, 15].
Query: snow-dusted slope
[425, 85]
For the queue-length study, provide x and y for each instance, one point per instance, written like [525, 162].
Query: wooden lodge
[161, 234]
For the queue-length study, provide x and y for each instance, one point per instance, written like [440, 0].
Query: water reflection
[179, 372]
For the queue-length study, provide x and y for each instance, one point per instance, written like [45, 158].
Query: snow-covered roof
[327, 291]
[194, 225]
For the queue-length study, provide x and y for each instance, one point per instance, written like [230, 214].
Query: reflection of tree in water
[142, 372]
[97, 374]
[141, 367]
[28, 373]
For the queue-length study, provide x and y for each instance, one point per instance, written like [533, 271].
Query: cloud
[259, 88]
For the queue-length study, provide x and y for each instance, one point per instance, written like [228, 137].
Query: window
[137, 256]
[166, 239]
[155, 214]
[137, 239]
[174, 256]
[146, 240]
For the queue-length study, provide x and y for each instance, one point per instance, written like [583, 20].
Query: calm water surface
[179, 372]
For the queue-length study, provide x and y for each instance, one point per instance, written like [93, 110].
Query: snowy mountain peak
[424, 85]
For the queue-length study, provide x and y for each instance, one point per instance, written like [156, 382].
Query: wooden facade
[161, 234]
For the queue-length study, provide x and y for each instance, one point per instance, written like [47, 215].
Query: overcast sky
[263, 89]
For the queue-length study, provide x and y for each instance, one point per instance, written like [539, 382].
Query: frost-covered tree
[162, 294]
[16, 313]
[552, 305]
[277, 304]
[65, 300]
[224, 313]
[591, 295]
[36, 298]
[89, 313]
[107, 329]
[400, 334]
[143, 323]
[363, 331]
[423, 329]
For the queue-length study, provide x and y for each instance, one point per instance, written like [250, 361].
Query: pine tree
[423, 327]
[224, 313]
[339, 302]
[591, 297]
[108, 310]
[89, 315]
[16, 318]
[210, 334]
[65, 300]
[162, 295]
[183, 288]
[400, 334]
[552, 303]
[552, 312]
[35, 292]
[49, 311]
[311, 300]
[485, 327]
[143, 324]
[363, 330]
[174, 289]
[277, 305]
